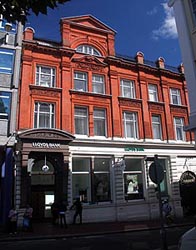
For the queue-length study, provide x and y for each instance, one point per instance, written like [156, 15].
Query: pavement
[45, 230]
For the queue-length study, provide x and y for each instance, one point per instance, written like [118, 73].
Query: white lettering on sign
[45, 145]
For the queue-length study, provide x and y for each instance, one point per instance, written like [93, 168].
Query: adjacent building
[10, 54]
[90, 122]
[185, 16]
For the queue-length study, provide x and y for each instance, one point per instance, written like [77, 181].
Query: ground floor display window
[133, 179]
[91, 179]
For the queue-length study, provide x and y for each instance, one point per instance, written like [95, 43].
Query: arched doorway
[47, 182]
[188, 192]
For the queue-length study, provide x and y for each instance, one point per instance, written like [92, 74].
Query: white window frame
[156, 127]
[178, 126]
[88, 49]
[98, 118]
[98, 84]
[127, 88]
[153, 92]
[50, 82]
[175, 96]
[132, 123]
[38, 115]
[84, 117]
[81, 78]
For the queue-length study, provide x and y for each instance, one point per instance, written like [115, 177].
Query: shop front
[42, 169]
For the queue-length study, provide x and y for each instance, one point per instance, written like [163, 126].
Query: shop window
[80, 81]
[153, 92]
[91, 179]
[99, 116]
[88, 49]
[98, 84]
[81, 120]
[175, 96]
[133, 179]
[156, 127]
[6, 61]
[5, 100]
[45, 76]
[178, 127]
[127, 88]
[130, 125]
[44, 115]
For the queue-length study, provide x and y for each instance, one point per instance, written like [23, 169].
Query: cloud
[168, 26]
[152, 12]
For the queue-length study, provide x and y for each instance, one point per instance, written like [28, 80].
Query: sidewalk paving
[45, 230]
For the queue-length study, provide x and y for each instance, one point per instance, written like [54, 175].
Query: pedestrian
[12, 221]
[62, 214]
[77, 205]
[167, 211]
[55, 212]
[28, 215]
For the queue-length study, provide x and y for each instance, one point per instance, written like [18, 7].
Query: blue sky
[141, 25]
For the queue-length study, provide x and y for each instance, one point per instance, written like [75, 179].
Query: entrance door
[42, 200]
[42, 189]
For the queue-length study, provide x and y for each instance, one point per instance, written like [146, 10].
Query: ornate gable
[87, 21]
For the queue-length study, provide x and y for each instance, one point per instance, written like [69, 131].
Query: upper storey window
[127, 88]
[87, 49]
[153, 92]
[80, 81]
[175, 96]
[45, 76]
[98, 83]
[6, 61]
[5, 98]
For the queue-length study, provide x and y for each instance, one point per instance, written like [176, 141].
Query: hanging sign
[188, 177]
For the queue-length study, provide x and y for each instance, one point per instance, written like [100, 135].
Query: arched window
[87, 49]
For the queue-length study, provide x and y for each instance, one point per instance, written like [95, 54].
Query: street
[142, 240]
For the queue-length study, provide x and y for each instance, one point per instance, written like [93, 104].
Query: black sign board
[188, 177]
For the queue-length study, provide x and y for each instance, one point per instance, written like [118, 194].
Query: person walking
[12, 222]
[77, 205]
[55, 212]
[28, 215]
[62, 214]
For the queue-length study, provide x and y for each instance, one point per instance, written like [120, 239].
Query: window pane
[175, 96]
[80, 186]
[80, 81]
[130, 125]
[156, 126]
[102, 187]
[179, 124]
[81, 165]
[98, 84]
[45, 76]
[152, 89]
[127, 88]
[102, 179]
[133, 182]
[87, 49]
[99, 122]
[81, 121]
[44, 115]
[6, 60]
[5, 100]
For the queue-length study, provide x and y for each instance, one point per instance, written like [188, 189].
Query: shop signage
[133, 149]
[188, 177]
[45, 145]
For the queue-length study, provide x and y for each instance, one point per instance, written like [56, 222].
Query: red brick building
[88, 119]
